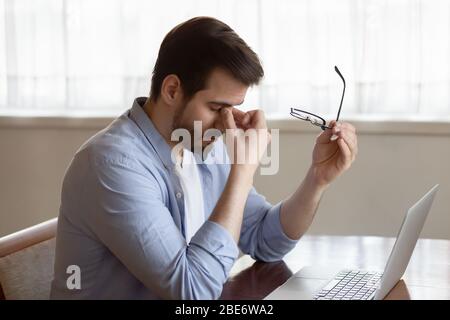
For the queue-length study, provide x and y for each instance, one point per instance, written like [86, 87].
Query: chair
[26, 262]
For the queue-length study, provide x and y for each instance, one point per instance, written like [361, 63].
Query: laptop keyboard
[350, 285]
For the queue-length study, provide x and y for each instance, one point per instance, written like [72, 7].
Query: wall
[397, 163]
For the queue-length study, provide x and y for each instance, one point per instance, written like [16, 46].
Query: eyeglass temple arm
[343, 92]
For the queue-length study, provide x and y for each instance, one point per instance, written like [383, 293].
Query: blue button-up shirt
[122, 224]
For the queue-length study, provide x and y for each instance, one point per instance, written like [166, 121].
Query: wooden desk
[427, 276]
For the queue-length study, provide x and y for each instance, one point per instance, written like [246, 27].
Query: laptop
[324, 283]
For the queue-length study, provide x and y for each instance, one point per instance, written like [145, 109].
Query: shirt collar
[142, 120]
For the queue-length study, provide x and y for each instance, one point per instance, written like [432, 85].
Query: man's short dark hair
[194, 48]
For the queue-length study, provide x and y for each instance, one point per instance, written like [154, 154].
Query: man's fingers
[233, 118]
[227, 118]
[348, 126]
[239, 115]
[350, 140]
[330, 135]
[257, 119]
[241, 118]
[348, 136]
[346, 154]
[246, 119]
[325, 136]
[332, 123]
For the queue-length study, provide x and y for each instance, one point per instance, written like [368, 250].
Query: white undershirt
[188, 174]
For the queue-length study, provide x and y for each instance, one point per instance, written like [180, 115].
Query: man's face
[221, 91]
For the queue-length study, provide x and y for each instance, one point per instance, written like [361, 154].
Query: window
[70, 57]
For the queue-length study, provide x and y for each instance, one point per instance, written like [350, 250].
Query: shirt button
[178, 195]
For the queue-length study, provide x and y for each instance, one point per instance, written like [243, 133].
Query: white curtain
[94, 56]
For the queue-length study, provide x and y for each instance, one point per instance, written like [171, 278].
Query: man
[137, 223]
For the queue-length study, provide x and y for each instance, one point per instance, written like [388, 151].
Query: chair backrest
[26, 262]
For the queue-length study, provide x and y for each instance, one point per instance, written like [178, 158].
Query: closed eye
[216, 107]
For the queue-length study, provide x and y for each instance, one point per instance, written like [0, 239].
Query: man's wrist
[314, 182]
[242, 174]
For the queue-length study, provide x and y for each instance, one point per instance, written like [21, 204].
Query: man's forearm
[230, 207]
[298, 211]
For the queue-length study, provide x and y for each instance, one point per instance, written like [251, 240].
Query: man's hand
[331, 157]
[246, 138]
[229, 209]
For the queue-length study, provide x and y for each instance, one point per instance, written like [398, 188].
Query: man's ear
[171, 91]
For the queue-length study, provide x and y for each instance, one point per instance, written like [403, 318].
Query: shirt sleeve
[132, 221]
[262, 236]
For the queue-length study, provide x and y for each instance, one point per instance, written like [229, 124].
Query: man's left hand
[331, 157]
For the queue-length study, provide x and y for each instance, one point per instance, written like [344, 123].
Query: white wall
[397, 164]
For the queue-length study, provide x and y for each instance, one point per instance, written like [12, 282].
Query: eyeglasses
[313, 118]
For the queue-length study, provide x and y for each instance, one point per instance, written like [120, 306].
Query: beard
[195, 143]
